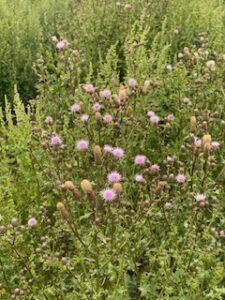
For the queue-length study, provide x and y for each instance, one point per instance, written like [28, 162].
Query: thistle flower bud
[193, 123]
[87, 188]
[70, 186]
[122, 92]
[98, 154]
[60, 206]
[118, 188]
[206, 139]
[206, 149]
[98, 118]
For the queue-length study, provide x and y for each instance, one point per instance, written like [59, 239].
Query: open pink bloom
[96, 107]
[170, 118]
[89, 88]
[132, 83]
[75, 108]
[108, 195]
[82, 145]
[181, 178]
[154, 168]
[154, 119]
[169, 159]
[108, 118]
[197, 142]
[200, 198]
[118, 152]
[61, 45]
[222, 233]
[114, 177]
[48, 120]
[139, 178]
[215, 145]
[150, 114]
[105, 94]
[108, 149]
[84, 118]
[140, 160]
[56, 140]
[32, 222]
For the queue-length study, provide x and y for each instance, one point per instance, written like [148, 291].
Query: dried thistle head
[97, 154]
[86, 186]
[206, 139]
[118, 188]
[193, 123]
[60, 206]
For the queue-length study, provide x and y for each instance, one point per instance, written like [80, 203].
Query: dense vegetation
[112, 149]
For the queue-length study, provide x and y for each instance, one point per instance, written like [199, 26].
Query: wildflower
[105, 94]
[82, 145]
[118, 152]
[200, 198]
[186, 100]
[154, 119]
[170, 118]
[89, 88]
[108, 118]
[63, 44]
[84, 118]
[168, 205]
[181, 178]
[32, 222]
[150, 114]
[108, 195]
[117, 187]
[108, 149]
[56, 140]
[169, 159]
[197, 142]
[139, 178]
[96, 107]
[48, 120]
[132, 83]
[154, 168]
[114, 177]
[169, 68]
[215, 145]
[222, 233]
[140, 160]
[75, 108]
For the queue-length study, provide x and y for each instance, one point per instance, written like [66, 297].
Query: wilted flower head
[108, 195]
[96, 107]
[114, 177]
[61, 45]
[139, 178]
[168, 205]
[48, 120]
[118, 152]
[75, 108]
[56, 140]
[140, 160]
[82, 145]
[132, 82]
[84, 118]
[105, 94]
[108, 118]
[89, 88]
[181, 178]
[32, 222]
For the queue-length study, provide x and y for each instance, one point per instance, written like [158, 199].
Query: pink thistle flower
[108, 118]
[215, 145]
[140, 160]
[181, 178]
[108, 149]
[105, 94]
[89, 88]
[170, 118]
[169, 159]
[48, 120]
[108, 195]
[154, 119]
[56, 140]
[118, 152]
[75, 108]
[200, 198]
[32, 222]
[154, 168]
[96, 107]
[82, 145]
[197, 142]
[222, 233]
[132, 83]
[150, 114]
[114, 177]
[61, 45]
[139, 178]
[84, 118]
